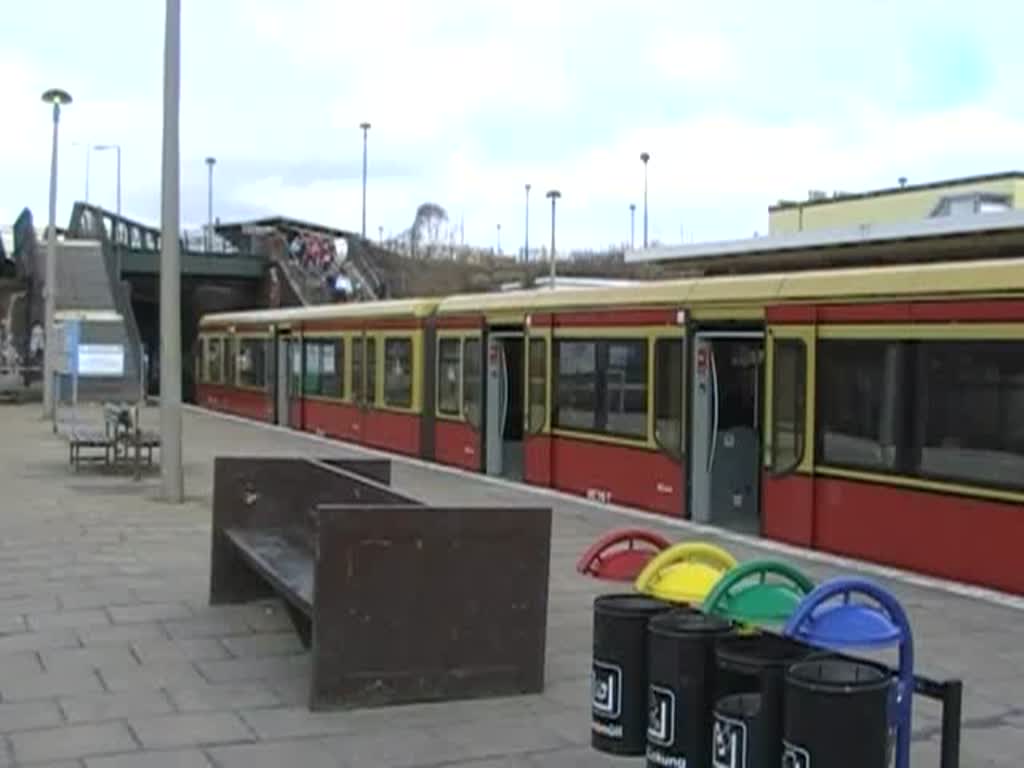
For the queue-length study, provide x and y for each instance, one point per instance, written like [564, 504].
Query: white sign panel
[100, 360]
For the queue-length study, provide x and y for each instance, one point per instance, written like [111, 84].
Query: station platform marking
[948, 586]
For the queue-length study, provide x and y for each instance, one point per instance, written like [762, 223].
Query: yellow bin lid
[684, 573]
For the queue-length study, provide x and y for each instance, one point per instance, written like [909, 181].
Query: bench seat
[279, 556]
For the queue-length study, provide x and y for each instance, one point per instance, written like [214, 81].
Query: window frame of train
[447, 339]
[331, 351]
[209, 341]
[803, 341]
[410, 402]
[908, 394]
[648, 337]
[244, 342]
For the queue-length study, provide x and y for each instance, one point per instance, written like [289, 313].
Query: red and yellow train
[874, 412]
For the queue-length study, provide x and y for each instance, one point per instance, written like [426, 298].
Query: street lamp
[499, 240]
[553, 194]
[87, 148]
[526, 238]
[645, 157]
[210, 162]
[366, 128]
[380, 234]
[117, 224]
[56, 97]
[172, 480]
[632, 224]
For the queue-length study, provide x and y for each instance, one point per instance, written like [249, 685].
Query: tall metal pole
[172, 480]
[117, 244]
[499, 239]
[118, 180]
[209, 202]
[632, 224]
[56, 97]
[554, 194]
[645, 157]
[366, 128]
[526, 237]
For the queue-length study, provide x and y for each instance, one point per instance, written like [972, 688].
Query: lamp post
[632, 224]
[56, 97]
[380, 234]
[88, 148]
[366, 128]
[172, 480]
[644, 156]
[210, 162]
[117, 225]
[553, 194]
[499, 240]
[526, 237]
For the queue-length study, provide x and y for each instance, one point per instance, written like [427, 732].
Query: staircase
[87, 281]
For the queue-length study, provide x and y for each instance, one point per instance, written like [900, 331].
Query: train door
[788, 507]
[536, 422]
[504, 403]
[281, 379]
[296, 371]
[725, 428]
[364, 386]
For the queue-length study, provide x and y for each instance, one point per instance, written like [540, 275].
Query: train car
[873, 412]
[356, 372]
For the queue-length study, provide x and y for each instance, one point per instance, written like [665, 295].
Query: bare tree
[427, 226]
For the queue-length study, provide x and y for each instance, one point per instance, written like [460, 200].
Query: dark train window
[332, 368]
[252, 363]
[371, 371]
[860, 402]
[789, 398]
[576, 401]
[971, 411]
[398, 372]
[214, 368]
[358, 388]
[602, 386]
[311, 373]
[624, 371]
[449, 376]
[230, 351]
[538, 385]
[668, 395]
[472, 381]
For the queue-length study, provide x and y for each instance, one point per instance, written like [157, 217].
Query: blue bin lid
[822, 620]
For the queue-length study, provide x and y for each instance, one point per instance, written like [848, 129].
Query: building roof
[843, 197]
[948, 237]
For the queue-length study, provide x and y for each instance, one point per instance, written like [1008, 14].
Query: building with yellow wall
[904, 203]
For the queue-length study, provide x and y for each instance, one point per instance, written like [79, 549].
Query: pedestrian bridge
[135, 247]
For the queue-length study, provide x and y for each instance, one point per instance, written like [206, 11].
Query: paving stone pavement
[110, 656]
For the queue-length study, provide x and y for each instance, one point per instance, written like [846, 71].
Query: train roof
[414, 308]
[989, 277]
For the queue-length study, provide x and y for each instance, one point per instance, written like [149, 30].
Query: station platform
[110, 655]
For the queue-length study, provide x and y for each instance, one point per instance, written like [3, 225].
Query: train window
[398, 372]
[252, 363]
[789, 397]
[449, 376]
[230, 361]
[311, 379]
[295, 378]
[358, 390]
[472, 381]
[625, 384]
[668, 395]
[576, 401]
[971, 411]
[538, 385]
[371, 371]
[859, 395]
[214, 369]
[332, 368]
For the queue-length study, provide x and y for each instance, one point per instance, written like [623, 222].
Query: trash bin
[741, 737]
[681, 672]
[755, 665]
[619, 673]
[759, 592]
[836, 715]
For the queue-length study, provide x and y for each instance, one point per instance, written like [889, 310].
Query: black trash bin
[619, 673]
[753, 664]
[741, 737]
[836, 715]
[681, 671]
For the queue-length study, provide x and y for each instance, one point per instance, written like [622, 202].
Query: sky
[738, 104]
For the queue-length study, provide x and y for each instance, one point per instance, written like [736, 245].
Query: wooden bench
[396, 600]
[84, 437]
